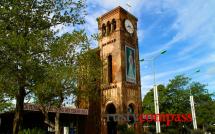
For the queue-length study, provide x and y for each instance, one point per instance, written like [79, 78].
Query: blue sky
[185, 28]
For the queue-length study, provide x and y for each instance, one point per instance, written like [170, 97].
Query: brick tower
[121, 87]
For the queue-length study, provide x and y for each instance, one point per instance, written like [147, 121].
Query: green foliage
[174, 99]
[6, 106]
[60, 80]
[89, 72]
[198, 131]
[89, 77]
[27, 39]
[5, 103]
[32, 50]
[32, 131]
[211, 128]
[123, 129]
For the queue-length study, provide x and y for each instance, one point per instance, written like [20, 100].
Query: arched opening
[113, 25]
[111, 124]
[103, 29]
[110, 76]
[108, 27]
[131, 108]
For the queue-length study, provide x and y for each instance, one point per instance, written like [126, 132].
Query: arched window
[111, 120]
[108, 27]
[103, 29]
[113, 25]
[110, 76]
[131, 108]
[131, 111]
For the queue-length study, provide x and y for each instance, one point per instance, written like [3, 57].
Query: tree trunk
[18, 117]
[46, 116]
[57, 122]
[57, 116]
[94, 115]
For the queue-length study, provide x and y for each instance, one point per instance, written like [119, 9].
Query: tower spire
[129, 6]
[117, 3]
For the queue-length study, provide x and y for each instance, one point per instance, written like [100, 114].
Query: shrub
[198, 131]
[32, 131]
[123, 129]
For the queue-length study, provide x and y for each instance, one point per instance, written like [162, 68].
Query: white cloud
[96, 8]
[147, 80]
[189, 49]
[195, 20]
[146, 84]
[91, 24]
[194, 17]
[140, 33]
[62, 29]
[211, 71]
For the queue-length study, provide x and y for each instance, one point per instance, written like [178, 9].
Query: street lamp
[156, 102]
[193, 107]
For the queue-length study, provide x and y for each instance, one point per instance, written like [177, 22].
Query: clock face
[128, 26]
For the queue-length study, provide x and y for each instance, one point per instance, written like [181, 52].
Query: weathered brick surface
[120, 93]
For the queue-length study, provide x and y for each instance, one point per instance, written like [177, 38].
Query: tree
[89, 81]
[61, 77]
[5, 103]
[174, 99]
[204, 105]
[27, 39]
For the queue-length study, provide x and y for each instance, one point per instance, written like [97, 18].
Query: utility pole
[156, 101]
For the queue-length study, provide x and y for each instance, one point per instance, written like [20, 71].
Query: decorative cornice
[119, 8]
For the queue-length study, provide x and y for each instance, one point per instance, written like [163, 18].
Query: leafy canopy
[174, 99]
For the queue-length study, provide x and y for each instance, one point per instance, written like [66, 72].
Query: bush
[198, 131]
[32, 131]
[123, 129]
[211, 129]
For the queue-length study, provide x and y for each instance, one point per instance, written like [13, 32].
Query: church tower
[121, 87]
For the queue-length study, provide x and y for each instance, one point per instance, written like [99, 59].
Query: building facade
[72, 120]
[121, 86]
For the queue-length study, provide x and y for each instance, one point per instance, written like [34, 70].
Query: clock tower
[121, 87]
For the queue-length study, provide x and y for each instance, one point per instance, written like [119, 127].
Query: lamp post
[156, 102]
[193, 107]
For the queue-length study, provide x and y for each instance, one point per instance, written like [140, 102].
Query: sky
[185, 28]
